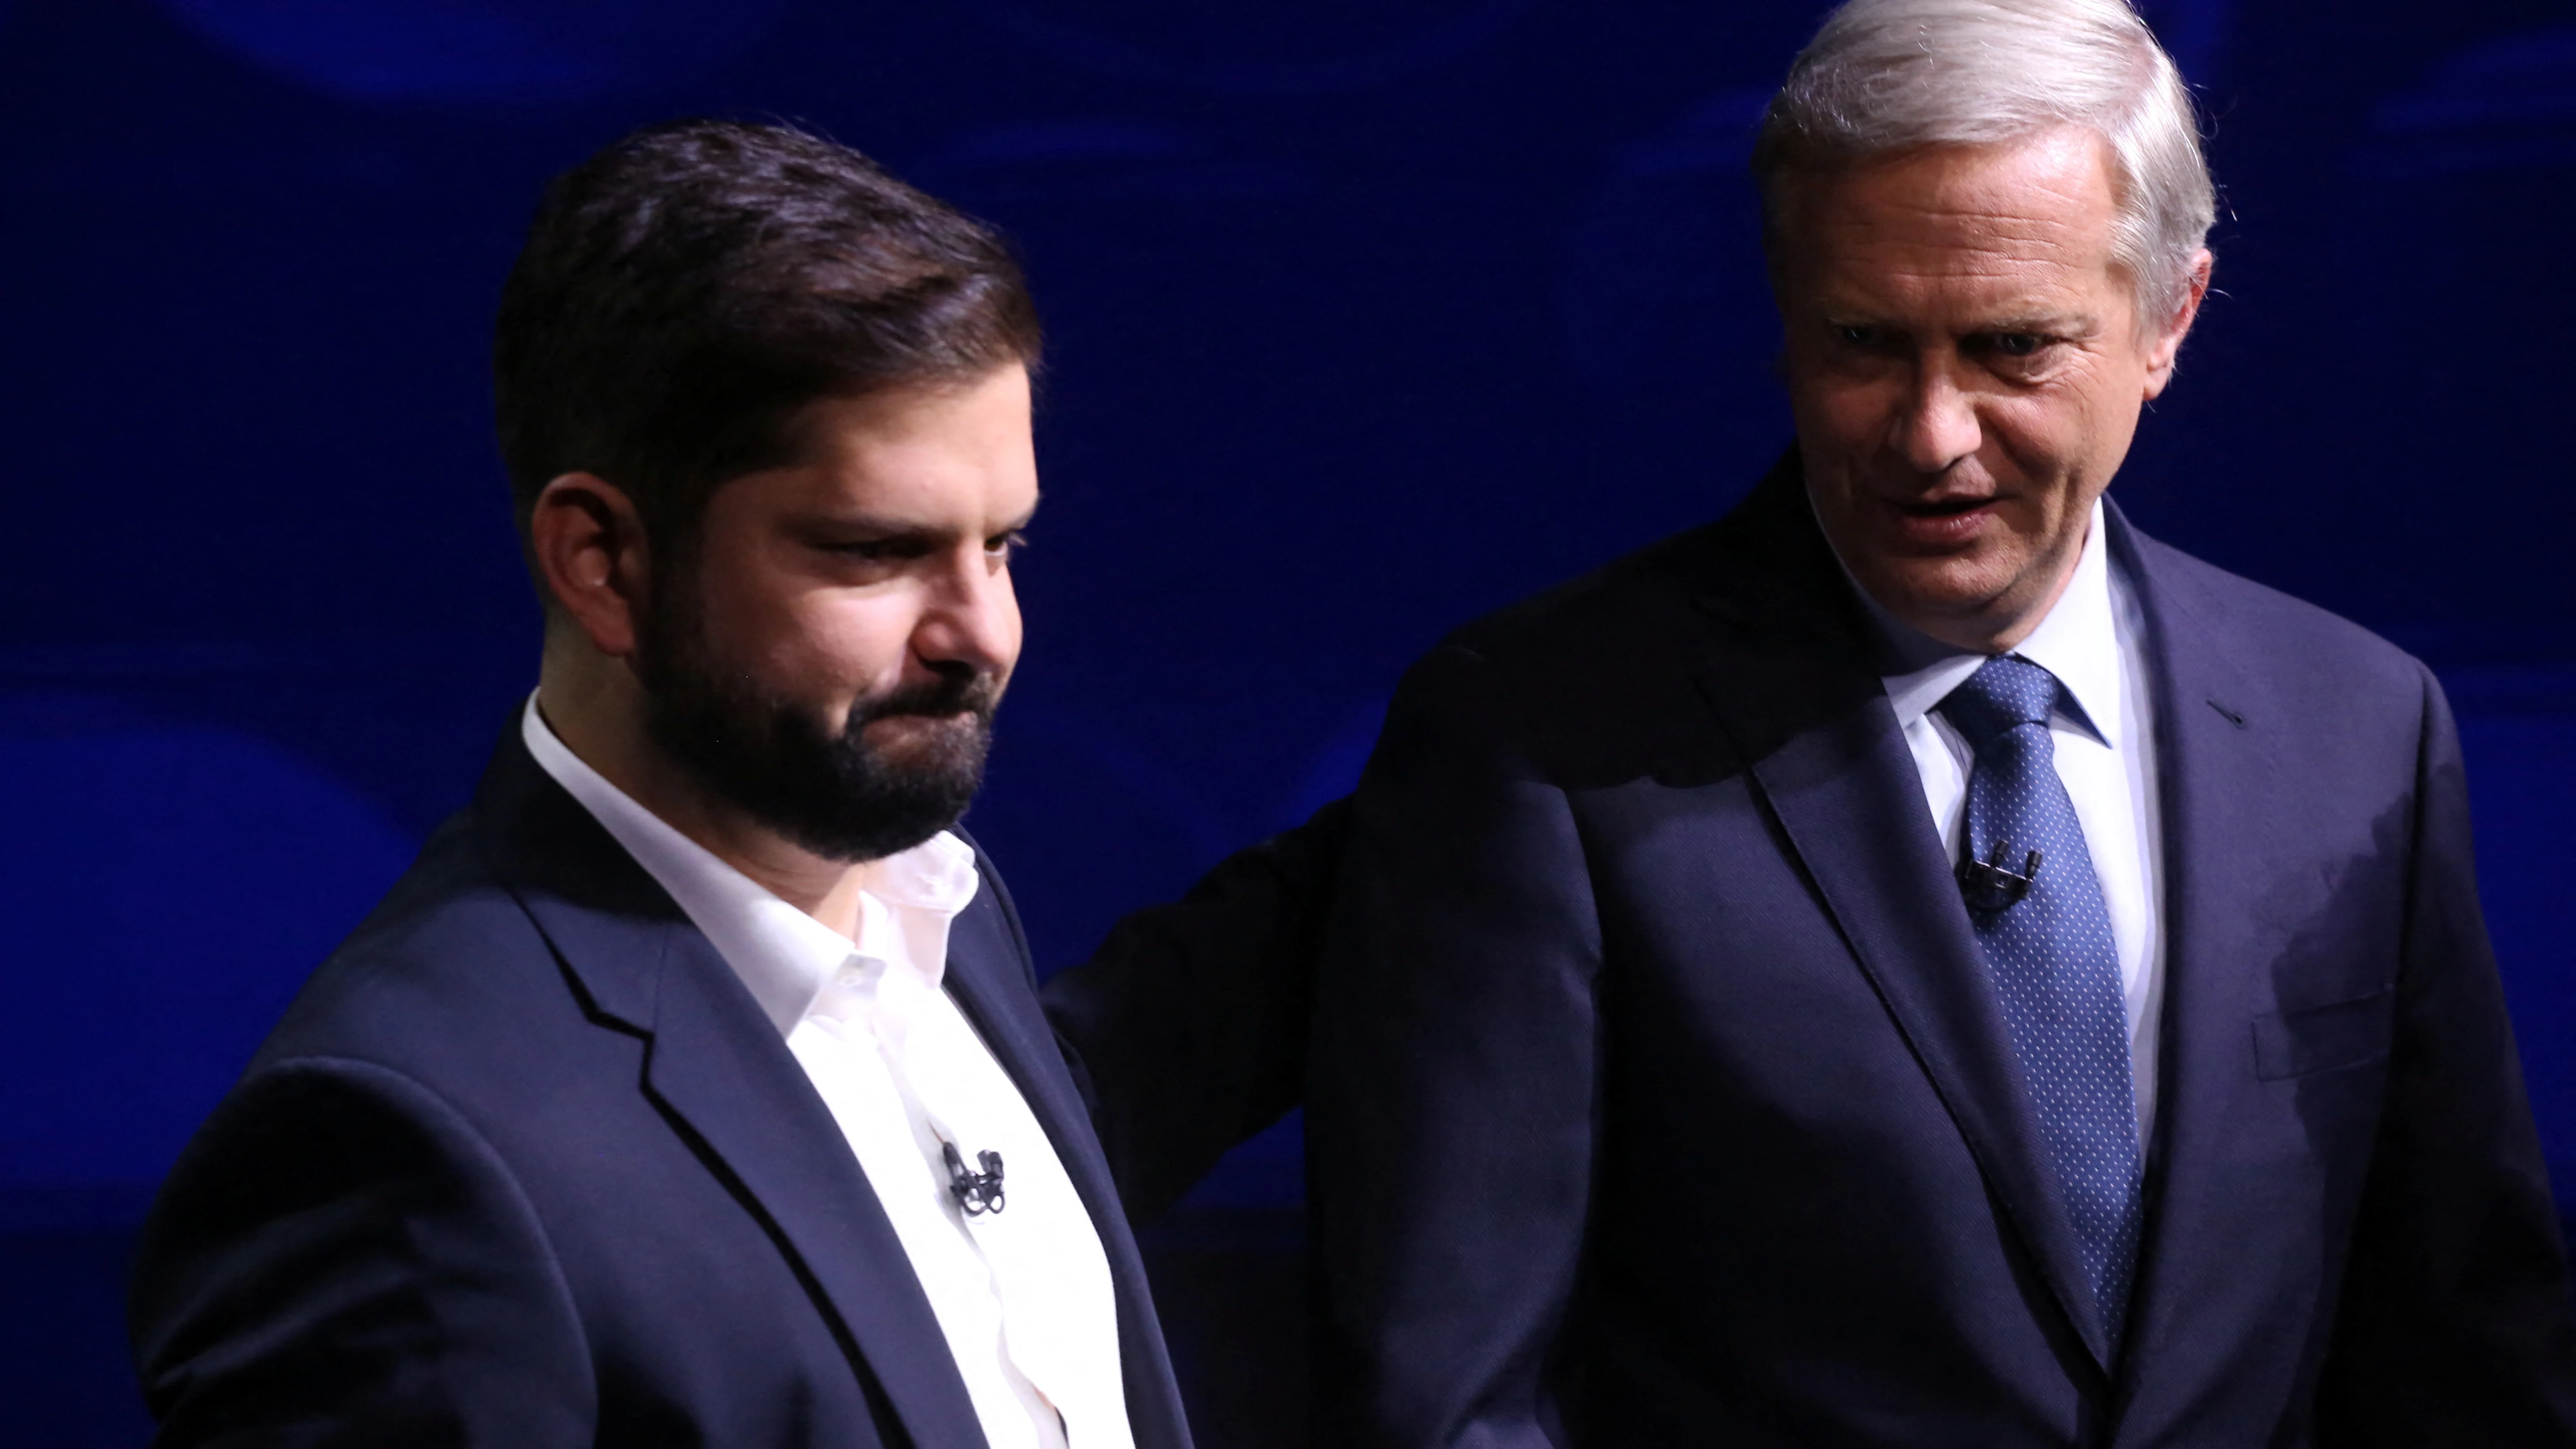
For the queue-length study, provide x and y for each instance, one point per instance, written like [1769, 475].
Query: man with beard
[693, 1087]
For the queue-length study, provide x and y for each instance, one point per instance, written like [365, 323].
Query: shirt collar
[2077, 642]
[784, 956]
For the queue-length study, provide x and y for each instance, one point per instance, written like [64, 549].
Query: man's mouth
[1945, 522]
[1944, 507]
[913, 719]
[942, 702]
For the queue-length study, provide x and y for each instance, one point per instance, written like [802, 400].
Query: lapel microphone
[977, 1193]
[1990, 885]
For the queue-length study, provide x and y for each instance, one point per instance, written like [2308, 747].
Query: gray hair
[1885, 76]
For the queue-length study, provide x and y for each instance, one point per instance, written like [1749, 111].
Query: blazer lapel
[988, 975]
[1793, 680]
[719, 1072]
[2216, 763]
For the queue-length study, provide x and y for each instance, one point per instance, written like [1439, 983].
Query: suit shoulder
[2296, 644]
[448, 949]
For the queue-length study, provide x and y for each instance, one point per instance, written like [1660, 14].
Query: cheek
[2056, 436]
[836, 643]
[740, 613]
[1842, 418]
[1836, 401]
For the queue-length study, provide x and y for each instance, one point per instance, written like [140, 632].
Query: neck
[598, 714]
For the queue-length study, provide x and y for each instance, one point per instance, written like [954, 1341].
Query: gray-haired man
[1917, 962]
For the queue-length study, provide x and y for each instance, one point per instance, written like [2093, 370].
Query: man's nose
[972, 617]
[1937, 425]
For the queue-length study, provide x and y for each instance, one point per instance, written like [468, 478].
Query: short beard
[835, 795]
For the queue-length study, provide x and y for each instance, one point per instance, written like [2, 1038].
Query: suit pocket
[2322, 1038]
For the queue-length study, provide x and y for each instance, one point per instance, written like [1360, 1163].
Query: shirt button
[850, 979]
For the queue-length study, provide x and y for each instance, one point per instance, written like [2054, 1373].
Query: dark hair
[688, 291]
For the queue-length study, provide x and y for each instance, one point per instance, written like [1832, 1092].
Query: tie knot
[2004, 693]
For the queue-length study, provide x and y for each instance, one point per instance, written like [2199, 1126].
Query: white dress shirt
[2094, 641]
[1023, 1295]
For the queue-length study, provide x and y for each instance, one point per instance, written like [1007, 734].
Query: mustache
[977, 694]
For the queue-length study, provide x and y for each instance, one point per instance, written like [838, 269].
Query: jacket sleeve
[339, 1259]
[2455, 1325]
[1452, 1110]
[1187, 1029]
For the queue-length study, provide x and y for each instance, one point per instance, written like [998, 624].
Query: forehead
[918, 453]
[2026, 223]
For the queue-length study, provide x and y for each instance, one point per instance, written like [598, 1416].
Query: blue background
[1366, 316]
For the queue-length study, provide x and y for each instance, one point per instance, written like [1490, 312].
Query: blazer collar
[989, 975]
[2221, 763]
[718, 1069]
[1793, 675]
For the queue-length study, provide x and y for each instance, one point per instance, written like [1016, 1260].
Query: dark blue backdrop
[1367, 316]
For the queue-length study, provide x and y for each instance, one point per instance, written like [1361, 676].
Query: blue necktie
[2048, 945]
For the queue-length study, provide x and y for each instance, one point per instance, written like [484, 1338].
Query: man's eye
[1003, 545]
[2017, 344]
[1857, 336]
[879, 550]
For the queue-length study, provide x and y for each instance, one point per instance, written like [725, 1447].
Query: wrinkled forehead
[1985, 222]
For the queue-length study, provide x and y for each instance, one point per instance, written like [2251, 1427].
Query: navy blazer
[526, 1165]
[1659, 1094]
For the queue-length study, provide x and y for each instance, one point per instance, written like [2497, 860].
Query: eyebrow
[2060, 324]
[879, 526]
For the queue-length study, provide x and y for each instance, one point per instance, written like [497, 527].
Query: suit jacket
[1659, 1093]
[525, 1164]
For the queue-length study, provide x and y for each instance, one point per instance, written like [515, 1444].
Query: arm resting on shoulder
[1452, 1109]
[1187, 1028]
[2455, 1324]
[339, 1259]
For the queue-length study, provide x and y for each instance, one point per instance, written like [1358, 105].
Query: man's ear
[589, 548]
[2166, 345]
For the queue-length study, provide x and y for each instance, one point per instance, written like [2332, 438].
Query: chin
[919, 740]
[1957, 584]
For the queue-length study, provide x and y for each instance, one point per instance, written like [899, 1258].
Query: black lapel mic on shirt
[976, 1192]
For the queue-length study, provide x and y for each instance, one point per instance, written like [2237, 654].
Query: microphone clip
[1989, 885]
[977, 1193]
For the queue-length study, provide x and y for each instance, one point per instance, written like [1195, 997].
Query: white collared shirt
[1023, 1296]
[2094, 641]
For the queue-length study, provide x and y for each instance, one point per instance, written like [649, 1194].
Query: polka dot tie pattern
[2057, 975]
